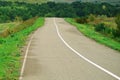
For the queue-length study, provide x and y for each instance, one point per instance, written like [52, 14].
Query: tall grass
[89, 32]
[10, 51]
[7, 29]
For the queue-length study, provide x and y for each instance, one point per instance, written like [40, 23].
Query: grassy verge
[8, 25]
[10, 28]
[5, 28]
[87, 31]
[10, 51]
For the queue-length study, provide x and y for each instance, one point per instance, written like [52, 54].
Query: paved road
[50, 59]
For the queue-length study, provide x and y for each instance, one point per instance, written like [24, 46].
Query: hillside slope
[69, 1]
[29, 1]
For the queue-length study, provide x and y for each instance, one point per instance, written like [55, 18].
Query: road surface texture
[50, 59]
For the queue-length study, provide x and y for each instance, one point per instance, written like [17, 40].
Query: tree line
[10, 11]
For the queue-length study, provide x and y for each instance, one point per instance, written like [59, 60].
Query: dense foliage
[10, 11]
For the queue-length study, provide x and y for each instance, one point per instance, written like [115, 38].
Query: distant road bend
[58, 51]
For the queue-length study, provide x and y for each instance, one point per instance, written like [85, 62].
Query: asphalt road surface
[50, 59]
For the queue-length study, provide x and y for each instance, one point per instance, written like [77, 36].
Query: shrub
[91, 17]
[49, 15]
[81, 20]
[117, 20]
[100, 27]
[104, 29]
[116, 33]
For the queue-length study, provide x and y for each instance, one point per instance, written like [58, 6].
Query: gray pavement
[50, 59]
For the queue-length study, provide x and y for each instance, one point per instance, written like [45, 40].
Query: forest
[11, 11]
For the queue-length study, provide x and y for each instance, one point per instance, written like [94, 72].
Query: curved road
[50, 59]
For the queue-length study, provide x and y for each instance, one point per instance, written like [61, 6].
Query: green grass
[89, 32]
[10, 51]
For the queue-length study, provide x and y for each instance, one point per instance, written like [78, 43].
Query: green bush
[91, 17]
[81, 20]
[116, 33]
[117, 20]
[100, 27]
[105, 30]
[49, 15]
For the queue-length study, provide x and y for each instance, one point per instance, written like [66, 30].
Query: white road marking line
[25, 58]
[89, 61]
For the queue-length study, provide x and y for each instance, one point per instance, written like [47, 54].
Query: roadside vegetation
[5, 26]
[13, 27]
[103, 29]
[10, 47]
